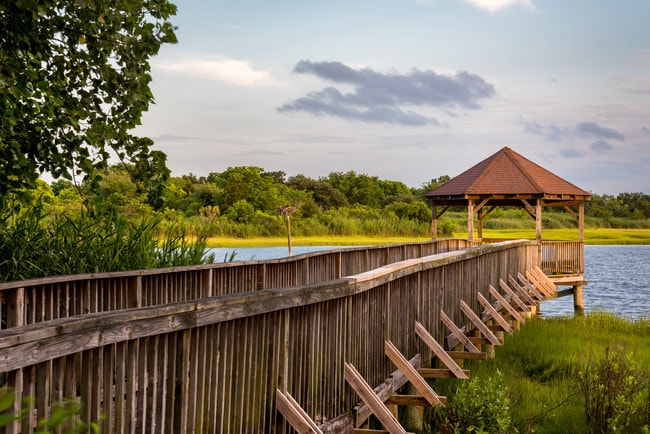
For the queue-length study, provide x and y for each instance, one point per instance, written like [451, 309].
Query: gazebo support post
[538, 221]
[578, 303]
[581, 223]
[470, 220]
[434, 222]
[480, 224]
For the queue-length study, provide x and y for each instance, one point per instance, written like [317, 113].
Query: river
[618, 276]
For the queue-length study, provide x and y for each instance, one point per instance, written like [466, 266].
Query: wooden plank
[544, 279]
[482, 340]
[478, 323]
[466, 355]
[458, 333]
[295, 415]
[506, 305]
[512, 297]
[521, 292]
[439, 351]
[494, 313]
[369, 431]
[408, 400]
[416, 380]
[368, 396]
[442, 372]
[530, 287]
[539, 285]
[384, 390]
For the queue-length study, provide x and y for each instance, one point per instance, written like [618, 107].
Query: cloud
[554, 133]
[572, 153]
[497, 5]
[381, 97]
[601, 146]
[231, 71]
[591, 129]
[558, 133]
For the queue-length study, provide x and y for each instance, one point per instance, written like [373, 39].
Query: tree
[74, 80]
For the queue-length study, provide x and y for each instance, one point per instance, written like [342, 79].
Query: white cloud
[497, 5]
[232, 71]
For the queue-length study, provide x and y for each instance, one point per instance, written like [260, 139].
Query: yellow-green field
[592, 236]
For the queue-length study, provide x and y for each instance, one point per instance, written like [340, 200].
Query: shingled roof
[504, 176]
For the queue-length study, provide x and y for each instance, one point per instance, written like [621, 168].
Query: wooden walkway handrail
[214, 363]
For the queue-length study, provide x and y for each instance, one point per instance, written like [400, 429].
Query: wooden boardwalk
[216, 348]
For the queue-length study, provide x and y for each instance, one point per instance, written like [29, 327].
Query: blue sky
[407, 90]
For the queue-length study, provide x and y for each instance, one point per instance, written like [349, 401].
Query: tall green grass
[34, 243]
[543, 362]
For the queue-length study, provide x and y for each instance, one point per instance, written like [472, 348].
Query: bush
[481, 406]
[614, 390]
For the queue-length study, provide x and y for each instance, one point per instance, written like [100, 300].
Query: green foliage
[614, 390]
[74, 81]
[64, 416]
[542, 363]
[36, 244]
[478, 405]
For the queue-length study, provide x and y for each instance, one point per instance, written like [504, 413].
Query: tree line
[244, 201]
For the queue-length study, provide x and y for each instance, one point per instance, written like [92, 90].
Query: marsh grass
[34, 243]
[542, 362]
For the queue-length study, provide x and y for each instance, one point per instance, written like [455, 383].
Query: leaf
[6, 401]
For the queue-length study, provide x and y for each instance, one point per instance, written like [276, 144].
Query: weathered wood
[494, 313]
[408, 400]
[203, 349]
[519, 292]
[548, 286]
[366, 393]
[529, 287]
[384, 390]
[541, 287]
[411, 373]
[442, 372]
[466, 355]
[482, 340]
[505, 304]
[294, 413]
[458, 334]
[521, 298]
[439, 351]
[480, 325]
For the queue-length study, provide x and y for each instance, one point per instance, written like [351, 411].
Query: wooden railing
[563, 257]
[203, 349]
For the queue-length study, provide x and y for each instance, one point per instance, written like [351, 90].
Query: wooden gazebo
[507, 179]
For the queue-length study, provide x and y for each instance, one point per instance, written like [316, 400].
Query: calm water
[618, 276]
[619, 282]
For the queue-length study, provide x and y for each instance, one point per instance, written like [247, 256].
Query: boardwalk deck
[206, 348]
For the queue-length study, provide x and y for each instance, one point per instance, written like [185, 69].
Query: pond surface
[619, 282]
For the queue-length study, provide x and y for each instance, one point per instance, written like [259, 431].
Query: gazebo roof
[507, 176]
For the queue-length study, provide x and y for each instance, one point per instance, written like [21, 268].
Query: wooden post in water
[578, 305]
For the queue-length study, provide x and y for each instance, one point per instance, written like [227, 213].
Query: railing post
[15, 318]
[135, 292]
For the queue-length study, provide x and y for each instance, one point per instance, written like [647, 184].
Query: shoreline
[593, 236]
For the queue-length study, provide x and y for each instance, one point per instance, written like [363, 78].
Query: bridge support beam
[578, 304]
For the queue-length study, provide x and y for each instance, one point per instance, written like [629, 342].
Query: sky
[407, 90]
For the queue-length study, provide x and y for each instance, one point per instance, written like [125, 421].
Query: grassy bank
[550, 365]
[592, 236]
[610, 236]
